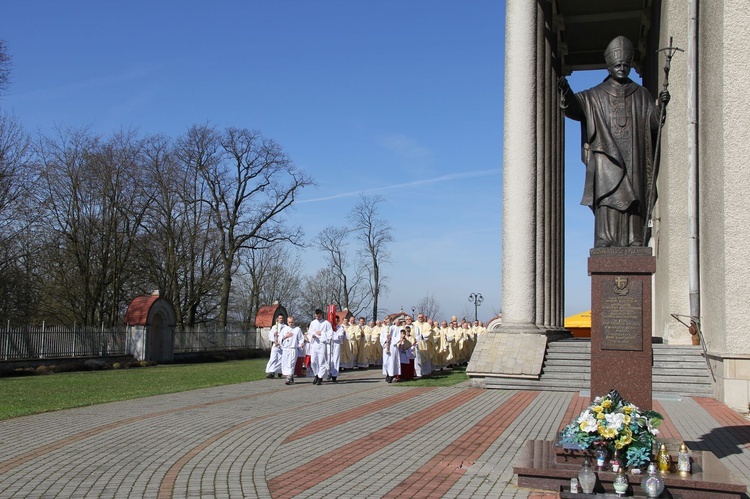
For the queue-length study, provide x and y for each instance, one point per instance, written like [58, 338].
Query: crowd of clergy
[403, 348]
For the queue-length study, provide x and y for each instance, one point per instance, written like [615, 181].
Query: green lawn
[26, 395]
[43, 393]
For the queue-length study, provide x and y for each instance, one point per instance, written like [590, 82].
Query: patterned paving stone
[358, 438]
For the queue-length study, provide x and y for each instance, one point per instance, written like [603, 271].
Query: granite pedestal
[621, 354]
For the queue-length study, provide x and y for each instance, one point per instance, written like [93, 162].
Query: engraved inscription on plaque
[622, 315]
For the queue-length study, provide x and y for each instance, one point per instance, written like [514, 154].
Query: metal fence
[198, 340]
[42, 342]
[45, 342]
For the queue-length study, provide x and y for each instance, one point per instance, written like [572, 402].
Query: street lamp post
[476, 299]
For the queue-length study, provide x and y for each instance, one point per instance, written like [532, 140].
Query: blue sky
[401, 98]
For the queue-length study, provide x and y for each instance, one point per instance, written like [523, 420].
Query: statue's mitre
[619, 49]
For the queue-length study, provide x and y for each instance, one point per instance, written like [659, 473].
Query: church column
[542, 181]
[552, 209]
[560, 165]
[519, 167]
[554, 163]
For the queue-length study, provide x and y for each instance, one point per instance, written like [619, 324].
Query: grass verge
[22, 396]
[26, 395]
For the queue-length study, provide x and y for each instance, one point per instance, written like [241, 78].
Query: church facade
[699, 236]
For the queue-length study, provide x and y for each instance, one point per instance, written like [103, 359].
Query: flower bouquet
[614, 423]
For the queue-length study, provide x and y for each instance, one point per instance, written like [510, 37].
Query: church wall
[724, 187]
[724, 115]
[736, 126]
[711, 177]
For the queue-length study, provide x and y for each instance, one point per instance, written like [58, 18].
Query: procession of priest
[404, 348]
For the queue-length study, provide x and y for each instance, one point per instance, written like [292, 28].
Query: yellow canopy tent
[579, 324]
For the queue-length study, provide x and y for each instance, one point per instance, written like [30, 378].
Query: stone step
[666, 350]
[569, 351]
[668, 359]
[577, 384]
[701, 372]
[570, 344]
[526, 384]
[556, 368]
[686, 348]
[697, 376]
[686, 389]
[680, 369]
[581, 384]
[565, 375]
[677, 363]
[567, 366]
[553, 347]
[581, 359]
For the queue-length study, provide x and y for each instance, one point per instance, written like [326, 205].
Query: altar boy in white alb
[274, 362]
[337, 341]
[291, 339]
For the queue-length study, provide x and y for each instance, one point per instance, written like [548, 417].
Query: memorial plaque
[622, 315]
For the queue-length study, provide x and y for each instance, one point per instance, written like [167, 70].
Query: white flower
[651, 428]
[587, 422]
[615, 420]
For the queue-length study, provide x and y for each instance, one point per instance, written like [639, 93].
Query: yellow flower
[606, 404]
[625, 439]
[600, 416]
[627, 409]
[626, 419]
[607, 432]
[597, 409]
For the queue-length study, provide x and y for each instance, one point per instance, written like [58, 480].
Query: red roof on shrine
[266, 316]
[137, 314]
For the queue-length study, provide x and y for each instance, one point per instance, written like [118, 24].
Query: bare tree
[466, 313]
[17, 179]
[352, 290]
[19, 236]
[374, 233]
[429, 306]
[270, 274]
[180, 245]
[5, 65]
[96, 201]
[320, 290]
[21, 279]
[249, 189]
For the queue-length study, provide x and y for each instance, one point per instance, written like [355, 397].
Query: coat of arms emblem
[621, 285]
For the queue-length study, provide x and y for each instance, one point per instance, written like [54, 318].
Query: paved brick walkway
[358, 438]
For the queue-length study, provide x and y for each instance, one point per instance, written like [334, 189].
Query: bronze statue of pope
[619, 119]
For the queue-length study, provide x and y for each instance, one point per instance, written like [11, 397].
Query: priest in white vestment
[320, 334]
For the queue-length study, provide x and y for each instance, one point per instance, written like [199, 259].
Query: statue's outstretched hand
[664, 97]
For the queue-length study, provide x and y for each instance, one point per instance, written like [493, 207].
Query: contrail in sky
[442, 178]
